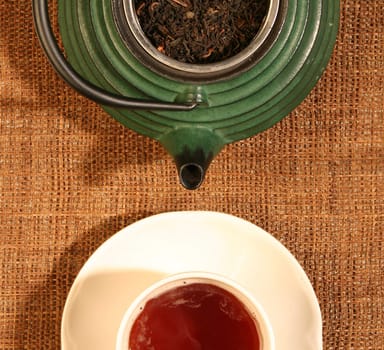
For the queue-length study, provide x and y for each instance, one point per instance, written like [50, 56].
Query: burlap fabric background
[70, 177]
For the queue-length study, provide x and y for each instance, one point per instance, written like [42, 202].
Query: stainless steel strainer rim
[225, 65]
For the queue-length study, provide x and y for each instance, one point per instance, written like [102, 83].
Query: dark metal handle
[72, 78]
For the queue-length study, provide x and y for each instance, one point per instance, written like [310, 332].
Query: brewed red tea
[194, 316]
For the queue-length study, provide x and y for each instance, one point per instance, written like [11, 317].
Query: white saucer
[169, 243]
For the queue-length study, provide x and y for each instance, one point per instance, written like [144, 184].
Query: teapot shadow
[41, 89]
[119, 150]
[25, 58]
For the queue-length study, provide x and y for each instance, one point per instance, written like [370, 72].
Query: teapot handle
[72, 78]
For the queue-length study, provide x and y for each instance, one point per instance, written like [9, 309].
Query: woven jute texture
[71, 177]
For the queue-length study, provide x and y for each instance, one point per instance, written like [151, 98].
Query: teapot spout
[192, 149]
[192, 174]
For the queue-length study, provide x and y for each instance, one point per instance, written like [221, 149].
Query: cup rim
[253, 306]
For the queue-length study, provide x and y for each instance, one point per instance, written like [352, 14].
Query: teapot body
[232, 105]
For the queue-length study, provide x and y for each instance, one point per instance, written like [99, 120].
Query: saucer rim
[210, 216]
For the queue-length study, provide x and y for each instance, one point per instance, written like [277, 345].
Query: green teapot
[193, 110]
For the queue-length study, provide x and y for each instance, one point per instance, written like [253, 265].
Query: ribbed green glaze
[233, 109]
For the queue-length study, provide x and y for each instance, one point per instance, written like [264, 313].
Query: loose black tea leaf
[201, 31]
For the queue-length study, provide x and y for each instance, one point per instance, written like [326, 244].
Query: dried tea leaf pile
[201, 31]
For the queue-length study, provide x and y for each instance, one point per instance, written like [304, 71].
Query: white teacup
[253, 308]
